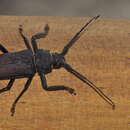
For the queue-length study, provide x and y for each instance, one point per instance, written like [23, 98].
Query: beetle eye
[57, 65]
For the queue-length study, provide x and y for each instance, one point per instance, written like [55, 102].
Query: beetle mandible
[25, 63]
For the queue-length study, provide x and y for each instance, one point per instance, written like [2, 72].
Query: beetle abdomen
[17, 64]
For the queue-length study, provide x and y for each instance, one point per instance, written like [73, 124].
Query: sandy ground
[102, 54]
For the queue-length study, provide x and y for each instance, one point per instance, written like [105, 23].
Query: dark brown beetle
[26, 63]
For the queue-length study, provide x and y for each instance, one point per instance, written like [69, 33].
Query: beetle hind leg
[20, 95]
[3, 49]
[8, 87]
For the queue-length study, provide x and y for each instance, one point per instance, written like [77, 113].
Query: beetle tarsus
[38, 36]
[41, 34]
[71, 91]
[12, 110]
[113, 106]
[20, 28]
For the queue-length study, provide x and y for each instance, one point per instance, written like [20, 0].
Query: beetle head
[58, 60]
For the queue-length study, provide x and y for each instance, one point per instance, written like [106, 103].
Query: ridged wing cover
[16, 64]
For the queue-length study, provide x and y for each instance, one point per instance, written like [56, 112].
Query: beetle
[25, 63]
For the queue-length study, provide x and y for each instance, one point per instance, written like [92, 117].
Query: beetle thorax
[43, 61]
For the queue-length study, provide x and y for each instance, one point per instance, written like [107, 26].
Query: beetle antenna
[88, 82]
[77, 36]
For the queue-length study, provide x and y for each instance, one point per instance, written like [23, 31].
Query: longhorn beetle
[25, 63]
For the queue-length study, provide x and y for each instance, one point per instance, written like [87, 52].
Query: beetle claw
[71, 91]
[12, 110]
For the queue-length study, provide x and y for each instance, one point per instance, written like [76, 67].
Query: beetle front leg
[54, 88]
[38, 36]
[23, 91]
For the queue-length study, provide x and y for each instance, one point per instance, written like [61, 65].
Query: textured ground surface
[102, 54]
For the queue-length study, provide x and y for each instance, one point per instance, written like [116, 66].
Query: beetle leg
[8, 87]
[38, 36]
[24, 38]
[22, 92]
[34, 44]
[3, 49]
[54, 88]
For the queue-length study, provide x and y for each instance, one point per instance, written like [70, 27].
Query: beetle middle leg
[54, 88]
[24, 38]
[22, 92]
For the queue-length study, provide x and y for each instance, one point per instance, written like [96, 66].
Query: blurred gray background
[107, 8]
